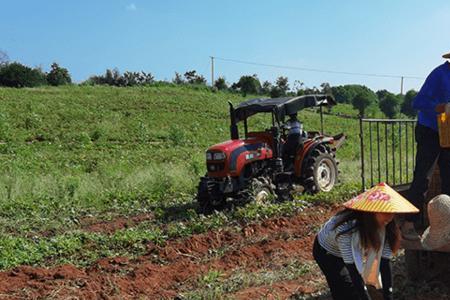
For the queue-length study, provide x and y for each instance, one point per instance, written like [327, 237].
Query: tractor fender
[305, 153]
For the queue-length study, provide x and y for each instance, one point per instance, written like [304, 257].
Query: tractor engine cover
[229, 158]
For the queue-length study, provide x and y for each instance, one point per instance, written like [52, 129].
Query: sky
[400, 38]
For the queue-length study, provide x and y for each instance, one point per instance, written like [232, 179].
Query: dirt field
[266, 260]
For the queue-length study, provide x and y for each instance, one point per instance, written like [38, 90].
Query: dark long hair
[367, 226]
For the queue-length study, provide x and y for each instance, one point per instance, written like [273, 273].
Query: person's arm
[386, 278]
[426, 98]
[358, 282]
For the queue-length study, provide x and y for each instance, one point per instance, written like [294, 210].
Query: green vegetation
[77, 152]
[215, 285]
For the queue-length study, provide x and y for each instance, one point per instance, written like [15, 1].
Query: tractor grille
[217, 167]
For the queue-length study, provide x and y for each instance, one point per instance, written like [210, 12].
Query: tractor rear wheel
[321, 170]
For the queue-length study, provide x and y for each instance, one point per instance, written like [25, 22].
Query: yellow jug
[444, 129]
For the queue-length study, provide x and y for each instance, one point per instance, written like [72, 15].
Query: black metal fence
[387, 151]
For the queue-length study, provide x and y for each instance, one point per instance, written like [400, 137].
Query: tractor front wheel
[259, 190]
[208, 202]
[321, 170]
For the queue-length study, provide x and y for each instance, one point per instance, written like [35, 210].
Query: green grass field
[71, 153]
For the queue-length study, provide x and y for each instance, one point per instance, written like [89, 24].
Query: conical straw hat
[381, 198]
[446, 55]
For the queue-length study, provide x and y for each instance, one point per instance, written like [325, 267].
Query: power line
[316, 70]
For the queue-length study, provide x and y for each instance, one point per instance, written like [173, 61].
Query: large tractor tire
[321, 172]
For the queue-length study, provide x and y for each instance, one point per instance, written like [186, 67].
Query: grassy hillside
[73, 153]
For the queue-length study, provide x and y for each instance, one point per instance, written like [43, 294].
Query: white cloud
[131, 7]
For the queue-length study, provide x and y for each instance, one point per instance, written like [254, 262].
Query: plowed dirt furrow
[165, 271]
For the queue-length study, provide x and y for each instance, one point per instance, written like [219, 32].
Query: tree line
[362, 98]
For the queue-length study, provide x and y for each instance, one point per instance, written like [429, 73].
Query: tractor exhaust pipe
[234, 133]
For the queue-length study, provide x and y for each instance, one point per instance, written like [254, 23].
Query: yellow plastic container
[444, 129]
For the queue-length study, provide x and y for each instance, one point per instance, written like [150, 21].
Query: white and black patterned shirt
[341, 246]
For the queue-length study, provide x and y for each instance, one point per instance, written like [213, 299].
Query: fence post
[361, 137]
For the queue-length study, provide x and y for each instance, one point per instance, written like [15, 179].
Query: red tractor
[261, 164]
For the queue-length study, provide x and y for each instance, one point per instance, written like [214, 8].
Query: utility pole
[212, 70]
[401, 87]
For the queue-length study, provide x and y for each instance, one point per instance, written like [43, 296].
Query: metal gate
[388, 151]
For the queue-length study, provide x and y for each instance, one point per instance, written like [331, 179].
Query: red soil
[161, 272]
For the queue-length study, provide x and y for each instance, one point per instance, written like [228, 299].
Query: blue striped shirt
[341, 246]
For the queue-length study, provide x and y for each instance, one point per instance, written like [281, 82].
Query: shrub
[17, 75]
[248, 85]
[193, 78]
[58, 76]
[406, 106]
[390, 105]
[282, 85]
[266, 87]
[362, 101]
[178, 79]
[114, 78]
[221, 84]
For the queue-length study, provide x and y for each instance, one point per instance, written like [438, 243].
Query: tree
[248, 85]
[346, 93]
[298, 87]
[178, 79]
[193, 78]
[4, 59]
[266, 88]
[381, 94]
[18, 75]
[390, 105]
[362, 101]
[221, 84]
[406, 107]
[58, 76]
[146, 78]
[276, 92]
[282, 85]
[109, 77]
[130, 78]
[326, 88]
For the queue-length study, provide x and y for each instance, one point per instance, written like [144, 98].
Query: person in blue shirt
[432, 99]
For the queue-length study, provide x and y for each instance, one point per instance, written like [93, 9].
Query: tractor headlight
[209, 156]
[219, 156]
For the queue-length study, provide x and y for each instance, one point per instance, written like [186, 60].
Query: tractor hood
[233, 146]
[227, 146]
[237, 153]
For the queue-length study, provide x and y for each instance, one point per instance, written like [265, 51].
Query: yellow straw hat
[446, 55]
[381, 198]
